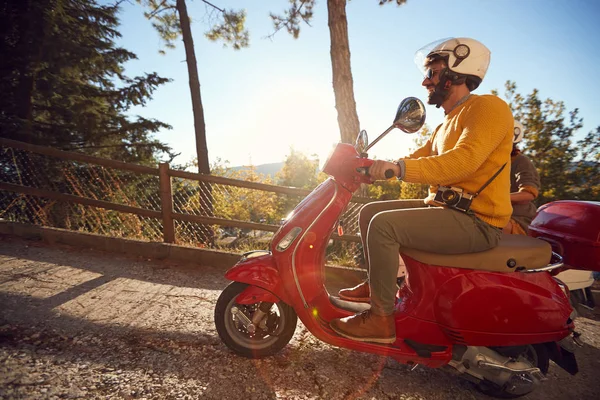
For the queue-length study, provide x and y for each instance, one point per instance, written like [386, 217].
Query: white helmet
[518, 132]
[465, 57]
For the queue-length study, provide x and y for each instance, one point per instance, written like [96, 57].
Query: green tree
[416, 190]
[229, 202]
[301, 11]
[298, 171]
[63, 81]
[568, 169]
[63, 85]
[385, 190]
[241, 203]
[171, 20]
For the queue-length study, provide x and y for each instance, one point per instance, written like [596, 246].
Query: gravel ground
[83, 324]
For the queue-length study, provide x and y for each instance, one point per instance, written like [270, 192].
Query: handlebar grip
[363, 170]
[389, 173]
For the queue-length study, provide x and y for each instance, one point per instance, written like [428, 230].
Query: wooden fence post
[166, 202]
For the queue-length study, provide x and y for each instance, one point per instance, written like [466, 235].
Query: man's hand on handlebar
[377, 171]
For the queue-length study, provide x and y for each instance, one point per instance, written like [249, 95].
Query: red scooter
[497, 316]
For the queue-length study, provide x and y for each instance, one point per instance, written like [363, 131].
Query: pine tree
[63, 85]
[171, 20]
[567, 169]
[63, 81]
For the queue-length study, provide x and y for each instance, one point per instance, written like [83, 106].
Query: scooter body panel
[261, 272]
[484, 308]
[255, 294]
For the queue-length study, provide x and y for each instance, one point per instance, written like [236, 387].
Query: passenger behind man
[524, 187]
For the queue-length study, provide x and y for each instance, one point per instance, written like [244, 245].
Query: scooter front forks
[258, 317]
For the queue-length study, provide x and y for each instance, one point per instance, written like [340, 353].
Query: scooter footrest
[422, 349]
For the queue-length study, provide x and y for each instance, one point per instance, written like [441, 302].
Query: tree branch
[290, 20]
[158, 9]
[212, 5]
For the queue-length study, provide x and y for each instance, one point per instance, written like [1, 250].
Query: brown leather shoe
[360, 293]
[366, 327]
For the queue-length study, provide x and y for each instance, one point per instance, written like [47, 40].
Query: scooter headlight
[288, 238]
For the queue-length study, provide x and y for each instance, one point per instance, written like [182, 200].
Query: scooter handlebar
[389, 173]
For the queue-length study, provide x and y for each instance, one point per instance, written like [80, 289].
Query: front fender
[258, 271]
[255, 294]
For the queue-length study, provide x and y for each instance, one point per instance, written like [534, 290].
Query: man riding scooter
[464, 161]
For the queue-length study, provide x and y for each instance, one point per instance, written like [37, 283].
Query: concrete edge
[153, 250]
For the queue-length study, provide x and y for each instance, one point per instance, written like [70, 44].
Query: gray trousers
[393, 225]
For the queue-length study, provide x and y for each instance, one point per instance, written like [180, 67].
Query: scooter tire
[493, 390]
[239, 341]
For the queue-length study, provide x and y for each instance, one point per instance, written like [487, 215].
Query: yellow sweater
[472, 143]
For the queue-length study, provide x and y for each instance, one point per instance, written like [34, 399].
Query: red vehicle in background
[573, 230]
[496, 317]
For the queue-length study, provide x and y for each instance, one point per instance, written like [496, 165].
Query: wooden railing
[165, 174]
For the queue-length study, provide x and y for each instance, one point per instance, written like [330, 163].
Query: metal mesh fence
[142, 190]
[86, 180]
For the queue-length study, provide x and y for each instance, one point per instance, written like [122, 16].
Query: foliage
[244, 204]
[63, 81]
[301, 11]
[228, 27]
[298, 171]
[568, 169]
[241, 203]
[416, 190]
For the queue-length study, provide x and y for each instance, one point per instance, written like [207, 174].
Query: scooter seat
[514, 252]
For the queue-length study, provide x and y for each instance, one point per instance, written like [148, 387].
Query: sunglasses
[429, 74]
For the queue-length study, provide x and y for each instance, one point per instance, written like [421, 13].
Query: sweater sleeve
[484, 125]
[526, 177]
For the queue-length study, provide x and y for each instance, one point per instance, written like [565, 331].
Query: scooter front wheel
[232, 320]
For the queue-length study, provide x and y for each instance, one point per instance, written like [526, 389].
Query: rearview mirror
[362, 141]
[410, 115]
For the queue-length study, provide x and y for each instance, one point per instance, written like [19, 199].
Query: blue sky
[260, 101]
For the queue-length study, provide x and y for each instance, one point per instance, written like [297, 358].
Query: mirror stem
[379, 138]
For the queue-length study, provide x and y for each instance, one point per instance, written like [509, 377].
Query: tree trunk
[343, 87]
[199, 125]
[206, 200]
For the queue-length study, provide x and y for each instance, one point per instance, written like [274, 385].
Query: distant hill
[264, 169]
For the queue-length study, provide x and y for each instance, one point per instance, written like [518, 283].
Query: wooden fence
[165, 174]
